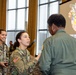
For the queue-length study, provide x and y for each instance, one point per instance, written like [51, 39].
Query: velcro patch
[16, 59]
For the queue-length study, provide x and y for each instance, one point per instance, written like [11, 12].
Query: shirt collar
[61, 30]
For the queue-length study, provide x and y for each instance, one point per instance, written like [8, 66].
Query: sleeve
[1, 56]
[30, 65]
[23, 66]
[7, 54]
[45, 59]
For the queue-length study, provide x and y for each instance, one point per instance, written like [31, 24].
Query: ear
[19, 40]
[53, 27]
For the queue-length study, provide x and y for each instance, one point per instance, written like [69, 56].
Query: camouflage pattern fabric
[22, 63]
[4, 57]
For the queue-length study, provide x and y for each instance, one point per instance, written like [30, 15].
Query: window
[17, 17]
[20, 19]
[11, 20]
[45, 9]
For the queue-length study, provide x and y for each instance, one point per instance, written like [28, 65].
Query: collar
[61, 30]
[23, 52]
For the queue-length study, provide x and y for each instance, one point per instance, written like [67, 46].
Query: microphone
[31, 44]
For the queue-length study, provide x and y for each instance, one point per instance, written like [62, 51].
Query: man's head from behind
[3, 35]
[56, 22]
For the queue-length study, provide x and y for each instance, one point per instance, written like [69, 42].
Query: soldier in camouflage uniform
[3, 53]
[22, 62]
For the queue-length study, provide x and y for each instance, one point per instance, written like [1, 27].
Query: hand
[6, 64]
[3, 64]
[37, 58]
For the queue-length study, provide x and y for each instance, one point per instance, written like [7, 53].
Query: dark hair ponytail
[18, 36]
[16, 44]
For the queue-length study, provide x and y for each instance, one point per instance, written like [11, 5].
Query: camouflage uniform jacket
[22, 62]
[3, 57]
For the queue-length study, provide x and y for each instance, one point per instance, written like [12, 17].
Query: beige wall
[64, 10]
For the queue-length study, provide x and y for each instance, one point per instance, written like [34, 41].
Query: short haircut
[57, 19]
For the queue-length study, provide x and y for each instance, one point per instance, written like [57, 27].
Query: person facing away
[11, 47]
[59, 51]
[22, 62]
[3, 51]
